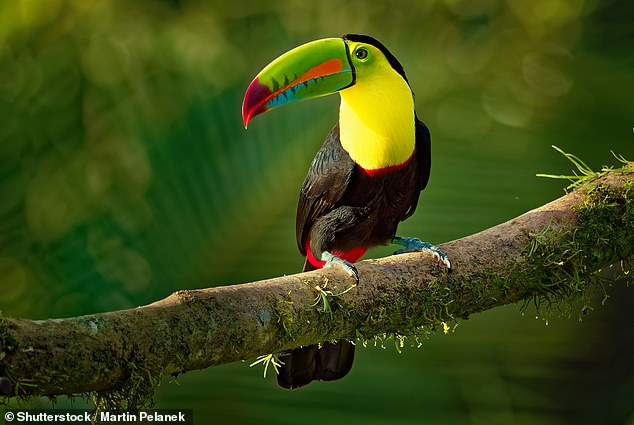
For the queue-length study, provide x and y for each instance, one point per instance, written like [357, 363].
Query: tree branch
[551, 252]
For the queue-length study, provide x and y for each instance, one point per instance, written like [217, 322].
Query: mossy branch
[551, 253]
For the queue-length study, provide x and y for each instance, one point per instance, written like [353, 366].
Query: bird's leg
[415, 244]
[334, 261]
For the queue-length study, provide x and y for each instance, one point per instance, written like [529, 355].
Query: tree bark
[551, 252]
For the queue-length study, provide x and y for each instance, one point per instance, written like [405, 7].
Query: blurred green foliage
[125, 174]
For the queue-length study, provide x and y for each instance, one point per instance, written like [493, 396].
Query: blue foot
[334, 261]
[416, 245]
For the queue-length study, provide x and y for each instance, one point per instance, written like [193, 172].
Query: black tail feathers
[329, 362]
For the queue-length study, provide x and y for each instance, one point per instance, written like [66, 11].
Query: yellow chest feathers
[376, 122]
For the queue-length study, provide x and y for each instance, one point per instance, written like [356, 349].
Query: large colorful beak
[311, 70]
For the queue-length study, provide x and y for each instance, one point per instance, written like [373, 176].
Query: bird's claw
[334, 261]
[416, 245]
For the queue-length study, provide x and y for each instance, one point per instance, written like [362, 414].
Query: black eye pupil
[361, 54]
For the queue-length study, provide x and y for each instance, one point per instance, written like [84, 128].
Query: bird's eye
[361, 53]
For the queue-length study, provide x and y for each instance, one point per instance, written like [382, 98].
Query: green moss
[8, 344]
[137, 391]
[565, 268]
[284, 314]
[408, 314]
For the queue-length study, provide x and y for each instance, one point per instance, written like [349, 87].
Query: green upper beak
[311, 70]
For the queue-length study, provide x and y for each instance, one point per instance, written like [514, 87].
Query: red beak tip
[246, 118]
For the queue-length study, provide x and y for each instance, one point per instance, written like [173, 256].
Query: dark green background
[126, 174]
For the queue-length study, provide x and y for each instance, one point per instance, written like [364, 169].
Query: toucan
[365, 179]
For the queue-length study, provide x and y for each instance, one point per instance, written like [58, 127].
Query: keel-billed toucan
[365, 179]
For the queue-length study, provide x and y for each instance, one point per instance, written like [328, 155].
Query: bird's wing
[328, 178]
[423, 163]
[423, 153]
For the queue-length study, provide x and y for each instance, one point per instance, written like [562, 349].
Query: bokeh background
[126, 174]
